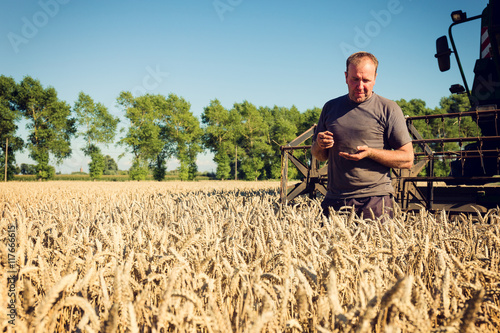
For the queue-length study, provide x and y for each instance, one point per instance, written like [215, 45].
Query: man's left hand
[363, 151]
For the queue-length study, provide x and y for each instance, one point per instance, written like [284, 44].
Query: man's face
[360, 79]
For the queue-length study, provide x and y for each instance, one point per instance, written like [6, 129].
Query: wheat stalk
[51, 298]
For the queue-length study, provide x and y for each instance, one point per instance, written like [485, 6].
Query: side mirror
[443, 53]
[457, 89]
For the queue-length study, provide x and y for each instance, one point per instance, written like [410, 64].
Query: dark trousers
[370, 207]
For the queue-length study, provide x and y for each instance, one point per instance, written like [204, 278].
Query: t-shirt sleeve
[397, 131]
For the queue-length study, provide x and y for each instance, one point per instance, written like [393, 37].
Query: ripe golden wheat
[226, 257]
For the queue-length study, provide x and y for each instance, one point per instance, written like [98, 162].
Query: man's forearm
[320, 154]
[400, 159]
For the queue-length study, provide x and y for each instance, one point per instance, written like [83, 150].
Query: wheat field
[226, 257]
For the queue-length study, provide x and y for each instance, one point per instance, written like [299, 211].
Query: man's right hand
[325, 140]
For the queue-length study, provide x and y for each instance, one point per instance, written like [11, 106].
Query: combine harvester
[473, 184]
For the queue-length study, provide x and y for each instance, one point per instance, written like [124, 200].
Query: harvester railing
[478, 163]
[313, 177]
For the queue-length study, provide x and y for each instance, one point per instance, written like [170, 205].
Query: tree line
[110, 168]
[244, 139]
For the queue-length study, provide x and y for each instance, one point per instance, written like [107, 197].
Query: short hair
[356, 58]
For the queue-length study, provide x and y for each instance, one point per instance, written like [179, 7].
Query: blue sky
[267, 52]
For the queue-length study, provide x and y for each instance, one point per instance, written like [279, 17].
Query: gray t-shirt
[377, 123]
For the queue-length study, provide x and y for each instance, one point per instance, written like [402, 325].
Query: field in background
[105, 178]
[224, 256]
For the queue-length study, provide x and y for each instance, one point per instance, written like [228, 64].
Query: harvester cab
[485, 93]
[486, 86]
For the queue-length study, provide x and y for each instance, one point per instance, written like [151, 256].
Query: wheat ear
[51, 298]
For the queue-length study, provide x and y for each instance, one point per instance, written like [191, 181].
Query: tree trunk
[6, 154]
[236, 164]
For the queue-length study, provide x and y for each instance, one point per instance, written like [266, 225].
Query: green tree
[98, 126]
[139, 170]
[219, 136]
[283, 129]
[308, 119]
[183, 131]
[223, 164]
[28, 169]
[8, 118]
[143, 135]
[253, 139]
[50, 124]
[97, 162]
[111, 168]
[159, 167]
[160, 129]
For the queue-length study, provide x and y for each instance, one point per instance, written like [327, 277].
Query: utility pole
[6, 153]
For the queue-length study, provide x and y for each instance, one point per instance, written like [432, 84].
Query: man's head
[360, 75]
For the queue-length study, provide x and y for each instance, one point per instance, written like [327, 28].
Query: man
[363, 136]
